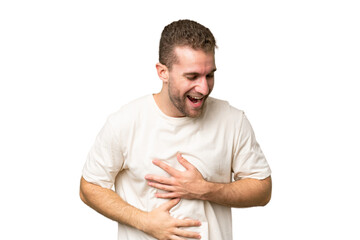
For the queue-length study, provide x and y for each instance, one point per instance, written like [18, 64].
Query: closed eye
[210, 75]
[192, 77]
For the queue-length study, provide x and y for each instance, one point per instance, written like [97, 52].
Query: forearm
[111, 205]
[157, 223]
[241, 193]
[190, 184]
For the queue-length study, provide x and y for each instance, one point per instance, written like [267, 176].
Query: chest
[207, 147]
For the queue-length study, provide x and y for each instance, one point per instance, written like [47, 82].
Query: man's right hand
[161, 225]
[157, 223]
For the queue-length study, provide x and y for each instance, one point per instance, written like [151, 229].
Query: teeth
[197, 98]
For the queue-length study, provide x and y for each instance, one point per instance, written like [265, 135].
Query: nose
[202, 86]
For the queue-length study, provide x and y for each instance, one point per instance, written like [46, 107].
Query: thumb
[169, 204]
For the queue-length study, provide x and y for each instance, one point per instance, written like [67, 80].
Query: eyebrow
[196, 73]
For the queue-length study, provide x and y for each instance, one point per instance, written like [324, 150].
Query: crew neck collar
[175, 120]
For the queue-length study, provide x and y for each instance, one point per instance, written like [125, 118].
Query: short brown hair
[184, 33]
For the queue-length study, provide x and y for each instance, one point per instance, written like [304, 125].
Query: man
[172, 155]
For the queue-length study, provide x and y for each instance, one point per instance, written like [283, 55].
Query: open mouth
[195, 99]
[196, 102]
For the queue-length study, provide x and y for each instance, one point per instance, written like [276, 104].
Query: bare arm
[241, 193]
[109, 204]
[157, 223]
[190, 184]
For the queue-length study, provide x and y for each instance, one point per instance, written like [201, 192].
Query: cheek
[184, 87]
[176, 90]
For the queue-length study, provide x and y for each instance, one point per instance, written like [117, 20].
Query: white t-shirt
[220, 144]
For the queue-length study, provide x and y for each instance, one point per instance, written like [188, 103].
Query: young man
[172, 155]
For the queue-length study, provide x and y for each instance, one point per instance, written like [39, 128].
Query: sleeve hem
[100, 183]
[258, 176]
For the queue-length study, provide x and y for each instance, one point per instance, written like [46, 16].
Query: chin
[194, 114]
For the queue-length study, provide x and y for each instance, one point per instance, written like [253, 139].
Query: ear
[163, 72]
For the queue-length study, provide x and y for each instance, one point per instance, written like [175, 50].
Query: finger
[164, 187]
[167, 206]
[158, 179]
[187, 234]
[167, 168]
[185, 163]
[167, 195]
[188, 223]
[174, 237]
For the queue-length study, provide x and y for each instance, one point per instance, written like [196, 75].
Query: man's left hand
[188, 184]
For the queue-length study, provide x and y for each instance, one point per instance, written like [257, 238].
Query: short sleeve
[105, 158]
[248, 159]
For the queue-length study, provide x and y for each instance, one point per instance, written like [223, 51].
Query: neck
[164, 103]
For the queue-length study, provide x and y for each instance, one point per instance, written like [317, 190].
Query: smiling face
[189, 82]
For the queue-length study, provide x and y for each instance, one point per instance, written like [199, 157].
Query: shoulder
[222, 109]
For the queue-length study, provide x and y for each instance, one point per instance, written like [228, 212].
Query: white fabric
[218, 143]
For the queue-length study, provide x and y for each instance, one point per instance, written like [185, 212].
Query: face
[191, 80]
